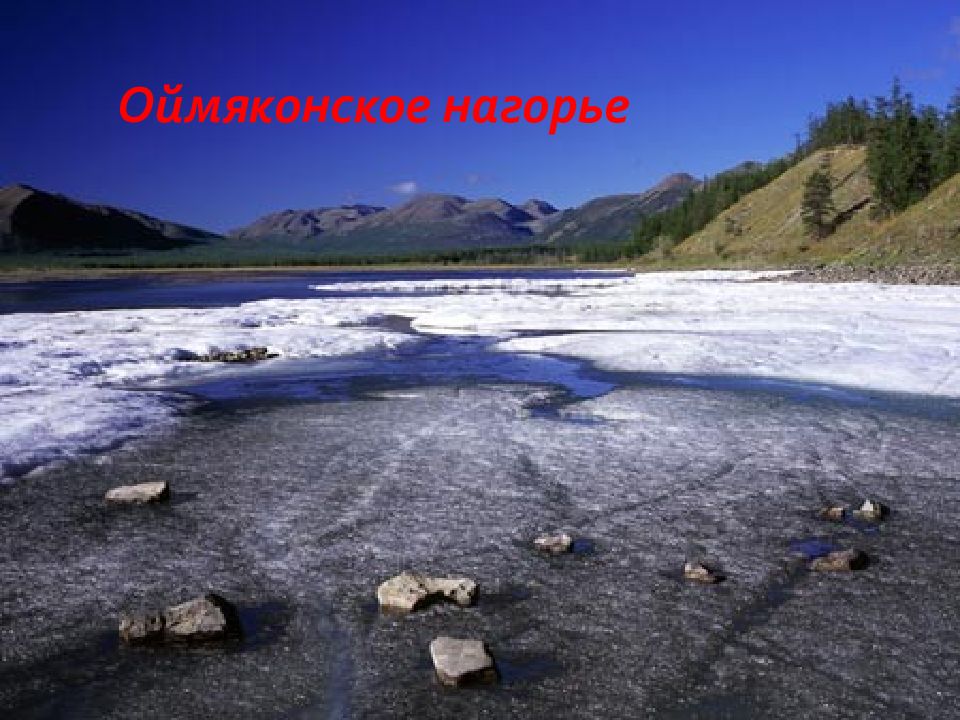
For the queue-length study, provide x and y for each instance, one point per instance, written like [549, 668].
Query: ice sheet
[458, 285]
[66, 378]
[882, 337]
[71, 382]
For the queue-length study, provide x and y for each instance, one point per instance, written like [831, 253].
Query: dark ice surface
[296, 510]
[203, 290]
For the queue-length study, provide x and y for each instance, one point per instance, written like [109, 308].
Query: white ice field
[79, 382]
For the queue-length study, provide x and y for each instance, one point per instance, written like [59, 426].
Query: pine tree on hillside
[948, 163]
[817, 208]
[846, 122]
[900, 151]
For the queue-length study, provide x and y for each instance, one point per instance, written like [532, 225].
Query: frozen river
[438, 425]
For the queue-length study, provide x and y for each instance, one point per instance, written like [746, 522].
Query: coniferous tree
[910, 149]
[817, 208]
[843, 123]
[948, 163]
[900, 158]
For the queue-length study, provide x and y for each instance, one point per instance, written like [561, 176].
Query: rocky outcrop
[840, 561]
[142, 494]
[555, 543]
[203, 619]
[409, 591]
[461, 662]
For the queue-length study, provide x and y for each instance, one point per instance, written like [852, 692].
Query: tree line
[911, 149]
[716, 194]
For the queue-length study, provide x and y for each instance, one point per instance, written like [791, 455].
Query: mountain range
[426, 222]
[32, 220]
[438, 222]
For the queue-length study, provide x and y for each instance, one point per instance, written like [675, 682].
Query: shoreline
[942, 273]
[935, 274]
[40, 275]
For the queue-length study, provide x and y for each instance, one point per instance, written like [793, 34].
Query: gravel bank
[903, 275]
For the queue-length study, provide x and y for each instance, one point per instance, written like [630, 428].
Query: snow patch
[73, 382]
[85, 381]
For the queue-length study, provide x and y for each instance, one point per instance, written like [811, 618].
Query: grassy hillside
[927, 231]
[765, 228]
[766, 225]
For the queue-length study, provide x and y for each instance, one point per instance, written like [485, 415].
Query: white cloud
[406, 187]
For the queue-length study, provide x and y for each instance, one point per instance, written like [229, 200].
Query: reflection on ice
[431, 361]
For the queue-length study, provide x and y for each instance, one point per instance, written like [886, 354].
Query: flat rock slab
[203, 619]
[460, 662]
[841, 561]
[698, 572]
[555, 544]
[142, 494]
[409, 591]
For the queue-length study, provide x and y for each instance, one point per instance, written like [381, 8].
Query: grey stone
[556, 544]
[209, 617]
[834, 513]
[409, 591]
[841, 561]
[872, 511]
[141, 494]
[141, 629]
[459, 662]
[203, 619]
[698, 572]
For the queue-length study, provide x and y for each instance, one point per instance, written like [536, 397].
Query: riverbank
[889, 275]
[907, 274]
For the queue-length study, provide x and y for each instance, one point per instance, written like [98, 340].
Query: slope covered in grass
[766, 224]
[765, 227]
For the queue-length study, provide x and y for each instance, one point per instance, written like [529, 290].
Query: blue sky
[710, 84]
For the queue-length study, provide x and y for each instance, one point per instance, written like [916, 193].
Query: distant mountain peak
[612, 218]
[675, 181]
[538, 208]
[302, 225]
